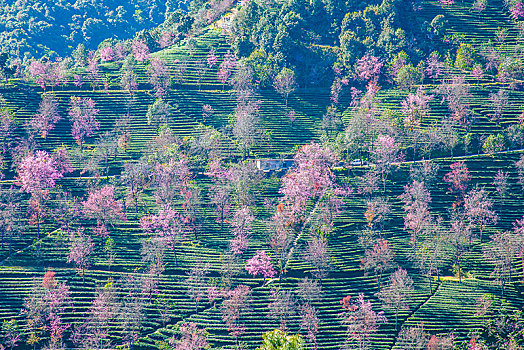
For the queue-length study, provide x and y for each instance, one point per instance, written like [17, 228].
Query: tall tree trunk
[396, 316]
[38, 226]
[460, 273]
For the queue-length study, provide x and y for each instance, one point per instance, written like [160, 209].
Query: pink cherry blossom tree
[457, 94]
[131, 310]
[37, 175]
[477, 72]
[46, 117]
[166, 39]
[83, 113]
[93, 70]
[500, 181]
[458, 241]
[317, 255]
[102, 206]
[107, 54]
[518, 230]
[434, 67]
[246, 126]
[413, 337]
[45, 307]
[377, 212]
[207, 112]
[80, 250]
[520, 170]
[10, 333]
[196, 282]
[241, 226]
[159, 76]
[310, 323]
[379, 259]
[167, 226]
[498, 101]
[260, 264]
[502, 252]
[44, 73]
[282, 306]
[11, 216]
[102, 312]
[415, 107]
[234, 306]
[226, 67]
[212, 59]
[336, 88]
[191, 338]
[244, 178]
[445, 342]
[140, 50]
[280, 236]
[220, 192]
[361, 321]
[458, 178]
[309, 291]
[151, 278]
[395, 294]
[386, 153]
[517, 9]
[416, 200]
[368, 67]
[136, 176]
[170, 179]
[179, 70]
[478, 209]
[311, 178]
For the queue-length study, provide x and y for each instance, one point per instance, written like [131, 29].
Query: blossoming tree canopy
[260, 264]
[83, 113]
[37, 173]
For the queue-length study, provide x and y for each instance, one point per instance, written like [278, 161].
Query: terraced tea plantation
[169, 202]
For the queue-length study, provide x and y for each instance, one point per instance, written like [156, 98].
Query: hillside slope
[444, 305]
